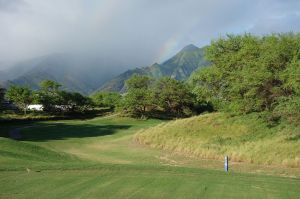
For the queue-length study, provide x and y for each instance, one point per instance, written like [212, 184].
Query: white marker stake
[226, 164]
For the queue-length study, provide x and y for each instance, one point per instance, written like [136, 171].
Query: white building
[35, 107]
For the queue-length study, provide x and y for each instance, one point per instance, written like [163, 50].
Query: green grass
[99, 158]
[126, 182]
[243, 138]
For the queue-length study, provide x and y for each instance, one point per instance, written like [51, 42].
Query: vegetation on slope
[243, 138]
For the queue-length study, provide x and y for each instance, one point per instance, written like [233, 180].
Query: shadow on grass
[66, 131]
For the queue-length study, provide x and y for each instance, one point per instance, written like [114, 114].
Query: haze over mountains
[73, 72]
[87, 76]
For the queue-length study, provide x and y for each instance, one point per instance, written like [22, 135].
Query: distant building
[35, 107]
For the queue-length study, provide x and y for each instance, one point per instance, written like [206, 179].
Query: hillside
[179, 67]
[212, 136]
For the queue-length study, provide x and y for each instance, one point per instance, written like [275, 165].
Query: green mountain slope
[179, 67]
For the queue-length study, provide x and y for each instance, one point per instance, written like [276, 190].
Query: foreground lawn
[99, 158]
[127, 182]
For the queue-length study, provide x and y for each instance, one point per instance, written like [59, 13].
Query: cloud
[133, 32]
[11, 5]
[277, 24]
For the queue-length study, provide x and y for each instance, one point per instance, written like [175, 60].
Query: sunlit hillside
[242, 138]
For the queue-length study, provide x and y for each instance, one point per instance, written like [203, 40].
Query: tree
[80, 103]
[49, 94]
[172, 95]
[106, 99]
[138, 96]
[74, 102]
[50, 86]
[21, 96]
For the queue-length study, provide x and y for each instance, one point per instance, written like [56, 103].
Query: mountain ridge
[179, 67]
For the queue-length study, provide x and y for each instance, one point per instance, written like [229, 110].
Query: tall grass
[243, 138]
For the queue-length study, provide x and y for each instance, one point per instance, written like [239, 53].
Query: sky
[133, 32]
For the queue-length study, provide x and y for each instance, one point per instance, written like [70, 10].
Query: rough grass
[243, 138]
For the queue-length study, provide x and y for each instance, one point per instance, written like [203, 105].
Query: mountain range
[88, 76]
[179, 67]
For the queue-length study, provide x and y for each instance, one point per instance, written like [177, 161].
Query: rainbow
[168, 48]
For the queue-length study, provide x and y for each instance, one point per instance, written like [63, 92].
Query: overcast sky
[134, 32]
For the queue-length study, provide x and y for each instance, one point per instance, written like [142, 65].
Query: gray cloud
[11, 5]
[278, 24]
[133, 32]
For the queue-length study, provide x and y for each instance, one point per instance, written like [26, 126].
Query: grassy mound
[243, 138]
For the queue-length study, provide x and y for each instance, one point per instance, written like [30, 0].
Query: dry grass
[243, 139]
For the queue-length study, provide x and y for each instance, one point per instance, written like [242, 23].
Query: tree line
[50, 96]
[145, 97]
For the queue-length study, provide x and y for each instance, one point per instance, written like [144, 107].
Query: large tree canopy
[138, 96]
[251, 73]
[49, 94]
[171, 95]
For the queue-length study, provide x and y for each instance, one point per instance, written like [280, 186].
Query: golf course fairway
[98, 158]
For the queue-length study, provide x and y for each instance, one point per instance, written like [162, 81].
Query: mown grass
[243, 138]
[126, 182]
[98, 158]
[72, 141]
